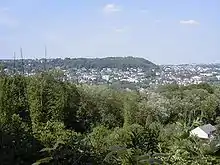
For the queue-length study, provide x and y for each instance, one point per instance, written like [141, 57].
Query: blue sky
[163, 31]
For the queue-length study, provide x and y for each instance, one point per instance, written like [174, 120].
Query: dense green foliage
[45, 120]
[88, 63]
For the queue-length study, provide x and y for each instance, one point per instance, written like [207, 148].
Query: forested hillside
[45, 120]
[88, 63]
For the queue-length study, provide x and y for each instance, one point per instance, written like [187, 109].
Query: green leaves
[48, 119]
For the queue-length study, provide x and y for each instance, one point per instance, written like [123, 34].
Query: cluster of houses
[188, 74]
[180, 74]
[165, 74]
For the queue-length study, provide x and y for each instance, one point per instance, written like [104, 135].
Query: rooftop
[208, 128]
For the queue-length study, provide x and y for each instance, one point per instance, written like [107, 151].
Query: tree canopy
[44, 119]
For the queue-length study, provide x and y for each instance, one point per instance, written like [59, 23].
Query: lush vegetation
[88, 63]
[45, 120]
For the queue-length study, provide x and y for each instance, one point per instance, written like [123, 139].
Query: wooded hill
[88, 63]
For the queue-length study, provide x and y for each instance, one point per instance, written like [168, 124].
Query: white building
[204, 132]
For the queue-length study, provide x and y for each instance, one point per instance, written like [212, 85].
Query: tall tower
[14, 65]
[22, 60]
[45, 60]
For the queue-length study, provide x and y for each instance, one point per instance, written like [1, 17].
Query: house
[205, 132]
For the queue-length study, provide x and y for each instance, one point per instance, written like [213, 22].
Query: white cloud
[157, 21]
[111, 8]
[6, 18]
[119, 30]
[9, 22]
[189, 22]
[144, 11]
[4, 9]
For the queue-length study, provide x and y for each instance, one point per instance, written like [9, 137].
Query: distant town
[129, 73]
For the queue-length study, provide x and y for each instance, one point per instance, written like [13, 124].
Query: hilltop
[111, 62]
[88, 63]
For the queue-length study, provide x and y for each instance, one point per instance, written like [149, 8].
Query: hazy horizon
[164, 32]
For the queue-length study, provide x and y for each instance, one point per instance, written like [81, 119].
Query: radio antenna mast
[22, 60]
[14, 69]
[45, 56]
